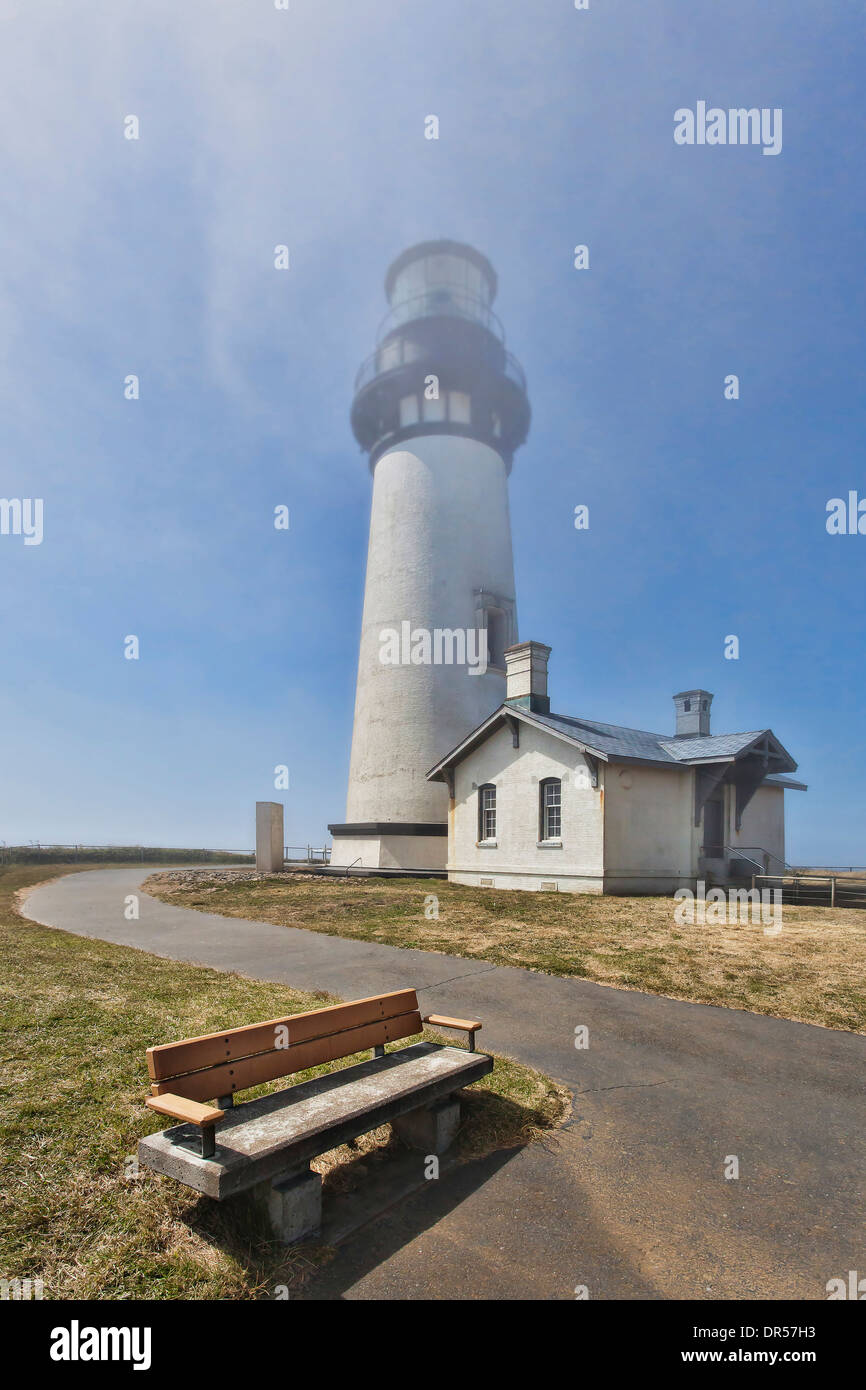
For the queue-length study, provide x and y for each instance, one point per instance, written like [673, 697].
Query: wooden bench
[223, 1150]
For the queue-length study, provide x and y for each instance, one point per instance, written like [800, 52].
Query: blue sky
[155, 257]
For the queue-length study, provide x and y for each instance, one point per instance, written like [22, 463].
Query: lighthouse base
[390, 845]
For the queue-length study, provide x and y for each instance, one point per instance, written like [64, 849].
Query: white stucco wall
[649, 837]
[517, 861]
[439, 530]
[635, 834]
[763, 824]
[391, 852]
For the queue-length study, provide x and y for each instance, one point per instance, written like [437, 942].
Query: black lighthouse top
[440, 365]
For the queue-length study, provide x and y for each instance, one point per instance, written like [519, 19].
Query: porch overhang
[745, 771]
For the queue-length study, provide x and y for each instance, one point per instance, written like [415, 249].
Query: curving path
[630, 1198]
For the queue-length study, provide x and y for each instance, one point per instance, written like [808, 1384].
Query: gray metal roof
[617, 743]
[686, 750]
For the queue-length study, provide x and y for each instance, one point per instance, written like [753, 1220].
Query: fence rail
[445, 302]
[142, 854]
[761, 859]
[815, 890]
[306, 854]
[403, 351]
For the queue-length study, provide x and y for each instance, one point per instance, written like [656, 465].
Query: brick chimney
[693, 713]
[526, 676]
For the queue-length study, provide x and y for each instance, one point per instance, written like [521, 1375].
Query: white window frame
[551, 810]
[487, 814]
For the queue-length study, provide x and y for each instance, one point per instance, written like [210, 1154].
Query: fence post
[833, 892]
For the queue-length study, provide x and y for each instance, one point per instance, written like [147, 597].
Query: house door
[714, 834]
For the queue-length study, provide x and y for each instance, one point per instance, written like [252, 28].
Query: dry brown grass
[814, 970]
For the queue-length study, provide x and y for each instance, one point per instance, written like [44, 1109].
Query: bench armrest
[464, 1025]
[192, 1112]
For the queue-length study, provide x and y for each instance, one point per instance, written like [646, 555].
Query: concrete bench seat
[266, 1144]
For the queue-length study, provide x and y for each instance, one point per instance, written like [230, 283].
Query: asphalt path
[630, 1200]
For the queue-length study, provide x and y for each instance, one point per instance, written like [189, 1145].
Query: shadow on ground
[404, 1221]
[369, 1185]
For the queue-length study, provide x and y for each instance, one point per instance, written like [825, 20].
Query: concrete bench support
[294, 1204]
[432, 1128]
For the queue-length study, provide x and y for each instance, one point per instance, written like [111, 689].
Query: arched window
[551, 809]
[487, 812]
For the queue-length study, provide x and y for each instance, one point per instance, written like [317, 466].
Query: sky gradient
[260, 127]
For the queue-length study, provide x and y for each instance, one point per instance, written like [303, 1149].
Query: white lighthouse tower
[440, 406]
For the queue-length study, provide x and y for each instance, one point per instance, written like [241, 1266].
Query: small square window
[389, 356]
[433, 410]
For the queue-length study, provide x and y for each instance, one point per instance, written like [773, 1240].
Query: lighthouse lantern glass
[440, 283]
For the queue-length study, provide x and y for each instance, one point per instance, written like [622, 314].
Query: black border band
[362, 829]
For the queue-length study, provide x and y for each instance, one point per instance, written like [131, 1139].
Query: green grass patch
[76, 1018]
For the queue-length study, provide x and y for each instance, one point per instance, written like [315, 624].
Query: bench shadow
[374, 1203]
[397, 1225]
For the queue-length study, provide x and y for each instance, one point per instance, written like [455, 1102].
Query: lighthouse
[440, 407]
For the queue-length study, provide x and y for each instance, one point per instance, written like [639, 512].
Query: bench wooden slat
[238, 1074]
[172, 1060]
[181, 1108]
[442, 1021]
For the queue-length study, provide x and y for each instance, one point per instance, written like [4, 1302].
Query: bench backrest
[218, 1064]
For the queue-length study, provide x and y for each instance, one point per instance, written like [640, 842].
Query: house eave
[502, 716]
[778, 759]
[788, 783]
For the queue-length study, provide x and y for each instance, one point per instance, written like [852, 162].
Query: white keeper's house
[560, 803]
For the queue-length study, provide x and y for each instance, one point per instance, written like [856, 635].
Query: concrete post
[432, 1128]
[294, 1204]
[269, 836]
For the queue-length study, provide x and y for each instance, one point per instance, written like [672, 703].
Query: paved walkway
[630, 1198]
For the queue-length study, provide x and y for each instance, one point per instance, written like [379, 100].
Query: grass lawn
[76, 1017]
[814, 970]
